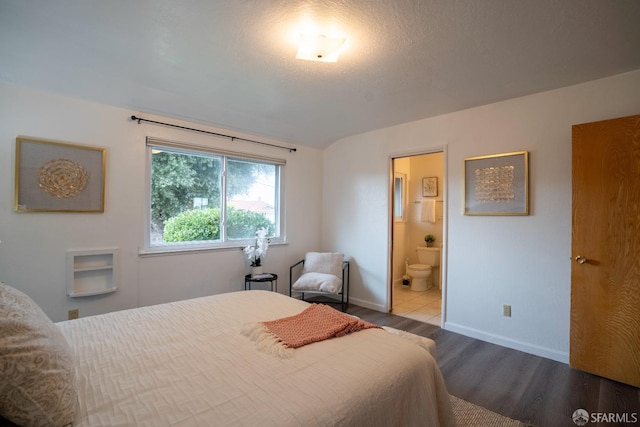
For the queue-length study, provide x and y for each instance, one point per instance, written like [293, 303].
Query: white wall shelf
[92, 272]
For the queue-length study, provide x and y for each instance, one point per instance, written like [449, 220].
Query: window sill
[170, 250]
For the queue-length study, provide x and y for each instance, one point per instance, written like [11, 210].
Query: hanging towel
[428, 211]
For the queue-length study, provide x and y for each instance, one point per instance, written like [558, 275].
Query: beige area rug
[470, 415]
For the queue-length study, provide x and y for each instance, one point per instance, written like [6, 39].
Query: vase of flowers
[256, 253]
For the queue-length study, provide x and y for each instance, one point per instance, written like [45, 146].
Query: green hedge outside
[204, 224]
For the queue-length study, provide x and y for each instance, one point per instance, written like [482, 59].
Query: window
[202, 199]
[399, 196]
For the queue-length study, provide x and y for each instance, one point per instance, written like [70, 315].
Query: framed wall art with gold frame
[55, 176]
[497, 184]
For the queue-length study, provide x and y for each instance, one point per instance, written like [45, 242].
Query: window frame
[226, 155]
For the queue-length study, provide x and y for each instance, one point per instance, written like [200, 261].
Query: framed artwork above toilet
[430, 186]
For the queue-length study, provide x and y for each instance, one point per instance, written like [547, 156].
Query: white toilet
[421, 278]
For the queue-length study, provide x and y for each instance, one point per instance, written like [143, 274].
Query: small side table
[261, 278]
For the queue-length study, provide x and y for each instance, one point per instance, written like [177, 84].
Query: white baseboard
[368, 304]
[545, 352]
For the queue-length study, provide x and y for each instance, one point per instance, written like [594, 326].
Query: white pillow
[37, 373]
[323, 262]
[318, 282]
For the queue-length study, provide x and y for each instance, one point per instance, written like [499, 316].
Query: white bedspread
[187, 364]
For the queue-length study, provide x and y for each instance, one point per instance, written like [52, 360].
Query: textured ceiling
[232, 63]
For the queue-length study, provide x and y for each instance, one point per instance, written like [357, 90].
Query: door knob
[581, 259]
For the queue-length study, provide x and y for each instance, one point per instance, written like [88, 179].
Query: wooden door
[605, 271]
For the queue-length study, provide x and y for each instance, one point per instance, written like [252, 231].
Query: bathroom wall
[401, 228]
[409, 234]
[428, 165]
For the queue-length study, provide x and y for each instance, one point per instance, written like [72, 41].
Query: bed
[187, 363]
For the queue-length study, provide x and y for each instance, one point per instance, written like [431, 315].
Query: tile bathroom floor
[423, 306]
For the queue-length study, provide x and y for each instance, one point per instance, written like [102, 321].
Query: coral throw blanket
[316, 323]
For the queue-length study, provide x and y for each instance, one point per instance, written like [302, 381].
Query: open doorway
[418, 216]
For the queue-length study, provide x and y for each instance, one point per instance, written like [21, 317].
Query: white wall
[34, 245]
[522, 261]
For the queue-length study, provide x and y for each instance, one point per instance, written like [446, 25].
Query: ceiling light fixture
[320, 48]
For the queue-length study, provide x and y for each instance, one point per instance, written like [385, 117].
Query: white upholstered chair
[321, 273]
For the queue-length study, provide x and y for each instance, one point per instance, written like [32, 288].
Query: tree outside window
[188, 190]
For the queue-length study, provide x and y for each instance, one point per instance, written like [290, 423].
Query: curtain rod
[232, 138]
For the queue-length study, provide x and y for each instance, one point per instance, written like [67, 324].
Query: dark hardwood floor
[518, 385]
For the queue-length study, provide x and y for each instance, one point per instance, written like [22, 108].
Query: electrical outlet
[73, 314]
[506, 310]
